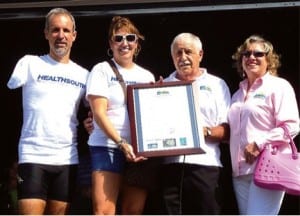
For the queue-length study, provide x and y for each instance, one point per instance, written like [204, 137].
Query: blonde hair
[271, 56]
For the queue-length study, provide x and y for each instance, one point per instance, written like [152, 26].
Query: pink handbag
[279, 171]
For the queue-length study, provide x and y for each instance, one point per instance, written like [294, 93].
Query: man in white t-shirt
[53, 86]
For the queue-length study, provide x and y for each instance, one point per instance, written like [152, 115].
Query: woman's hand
[129, 154]
[251, 152]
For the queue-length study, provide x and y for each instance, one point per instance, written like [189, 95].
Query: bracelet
[122, 141]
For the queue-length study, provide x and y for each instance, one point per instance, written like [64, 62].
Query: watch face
[208, 131]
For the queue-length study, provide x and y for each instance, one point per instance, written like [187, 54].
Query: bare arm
[99, 109]
[217, 133]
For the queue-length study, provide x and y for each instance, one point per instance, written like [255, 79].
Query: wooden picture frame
[165, 118]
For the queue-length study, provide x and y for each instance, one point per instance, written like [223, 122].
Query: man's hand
[159, 81]
[88, 123]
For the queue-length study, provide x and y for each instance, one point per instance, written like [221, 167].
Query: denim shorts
[107, 159]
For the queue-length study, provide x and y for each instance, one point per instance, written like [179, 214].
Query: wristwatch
[208, 131]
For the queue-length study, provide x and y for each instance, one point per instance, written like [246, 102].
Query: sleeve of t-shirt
[97, 81]
[20, 73]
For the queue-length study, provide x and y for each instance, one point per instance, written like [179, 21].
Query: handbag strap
[292, 144]
[119, 77]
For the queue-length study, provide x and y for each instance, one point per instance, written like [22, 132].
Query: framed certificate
[165, 119]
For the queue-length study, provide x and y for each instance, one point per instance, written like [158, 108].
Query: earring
[137, 51]
[109, 52]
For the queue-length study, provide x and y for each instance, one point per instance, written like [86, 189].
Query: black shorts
[46, 181]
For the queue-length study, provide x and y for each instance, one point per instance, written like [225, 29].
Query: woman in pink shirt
[262, 105]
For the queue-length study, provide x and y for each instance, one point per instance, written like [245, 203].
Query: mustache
[184, 63]
[59, 42]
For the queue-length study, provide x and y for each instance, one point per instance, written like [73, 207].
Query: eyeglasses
[256, 54]
[127, 37]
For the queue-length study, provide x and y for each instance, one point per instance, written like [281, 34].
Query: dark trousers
[190, 189]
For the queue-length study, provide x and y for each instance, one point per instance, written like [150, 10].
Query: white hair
[187, 36]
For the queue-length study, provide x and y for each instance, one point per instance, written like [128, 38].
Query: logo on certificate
[169, 142]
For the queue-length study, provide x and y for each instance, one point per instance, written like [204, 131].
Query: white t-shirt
[214, 100]
[52, 92]
[102, 81]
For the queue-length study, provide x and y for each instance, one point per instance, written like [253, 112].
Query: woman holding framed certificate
[110, 138]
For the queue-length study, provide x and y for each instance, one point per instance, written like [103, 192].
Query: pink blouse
[257, 116]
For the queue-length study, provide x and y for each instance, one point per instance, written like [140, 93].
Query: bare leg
[31, 206]
[105, 191]
[55, 207]
[133, 200]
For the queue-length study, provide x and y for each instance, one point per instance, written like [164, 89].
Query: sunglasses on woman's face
[127, 37]
[256, 54]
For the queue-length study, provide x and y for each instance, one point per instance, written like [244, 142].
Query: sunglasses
[256, 54]
[127, 37]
